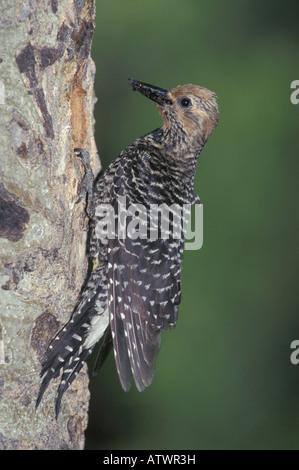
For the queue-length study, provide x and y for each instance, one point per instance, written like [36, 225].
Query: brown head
[188, 109]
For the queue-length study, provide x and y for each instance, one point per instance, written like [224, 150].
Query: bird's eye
[185, 102]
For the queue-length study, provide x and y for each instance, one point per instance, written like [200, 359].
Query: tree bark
[46, 110]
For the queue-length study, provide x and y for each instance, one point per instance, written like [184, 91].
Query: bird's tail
[74, 343]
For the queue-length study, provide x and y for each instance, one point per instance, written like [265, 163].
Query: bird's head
[188, 109]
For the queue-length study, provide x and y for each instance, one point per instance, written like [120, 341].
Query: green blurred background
[223, 379]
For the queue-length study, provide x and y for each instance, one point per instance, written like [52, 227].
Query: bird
[134, 289]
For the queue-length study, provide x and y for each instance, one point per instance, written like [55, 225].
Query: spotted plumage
[134, 290]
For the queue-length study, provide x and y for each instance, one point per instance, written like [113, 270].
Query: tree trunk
[46, 110]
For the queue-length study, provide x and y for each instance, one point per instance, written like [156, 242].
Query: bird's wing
[143, 297]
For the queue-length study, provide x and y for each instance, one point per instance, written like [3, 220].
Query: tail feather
[68, 376]
[75, 342]
[66, 353]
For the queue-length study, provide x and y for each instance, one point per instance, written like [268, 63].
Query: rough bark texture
[46, 110]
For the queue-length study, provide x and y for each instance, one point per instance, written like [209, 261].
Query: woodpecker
[134, 290]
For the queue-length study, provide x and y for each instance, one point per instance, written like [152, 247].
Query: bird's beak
[159, 95]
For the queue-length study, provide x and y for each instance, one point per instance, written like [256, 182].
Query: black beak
[159, 95]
